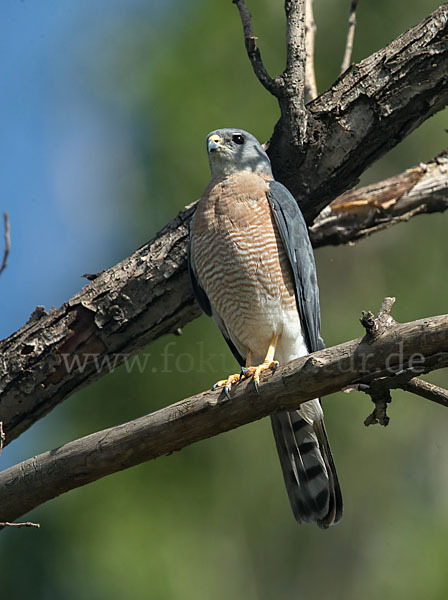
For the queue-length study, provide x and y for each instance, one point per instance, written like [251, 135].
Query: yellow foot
[246, 372]
[227, 383]
[255, 372]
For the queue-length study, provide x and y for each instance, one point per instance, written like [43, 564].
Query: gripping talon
[244, 373]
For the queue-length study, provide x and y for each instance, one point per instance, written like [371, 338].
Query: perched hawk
[252, 269]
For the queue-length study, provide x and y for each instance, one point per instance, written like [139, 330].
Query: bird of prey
[252, 269]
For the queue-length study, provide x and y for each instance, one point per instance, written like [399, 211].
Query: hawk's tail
[308, 467]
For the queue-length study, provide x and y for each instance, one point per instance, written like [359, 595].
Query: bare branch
[149, 295]
[33, 373]
[272, 85]
[292, 100]
[426, 390]
[2, 437]
[126, 307]
[364, 115]
[359, 213]
[350, 36]
[25, 524]
[375, 326]
[7, 242]
[405, 348]
[310, 34]
[6, 523]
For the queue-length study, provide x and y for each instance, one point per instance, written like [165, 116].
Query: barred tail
[307, 465]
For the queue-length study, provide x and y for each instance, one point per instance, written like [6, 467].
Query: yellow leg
[249, 370]
[268, 363]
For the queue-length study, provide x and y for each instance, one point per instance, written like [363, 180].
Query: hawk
[252, 269]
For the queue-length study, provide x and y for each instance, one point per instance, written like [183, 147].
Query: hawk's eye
[238, 138]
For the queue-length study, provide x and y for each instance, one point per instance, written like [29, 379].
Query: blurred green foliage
[213, 521]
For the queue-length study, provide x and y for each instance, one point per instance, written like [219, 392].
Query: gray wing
[305, 455]
[294, 234]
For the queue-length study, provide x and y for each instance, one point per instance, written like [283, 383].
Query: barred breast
[242, 266]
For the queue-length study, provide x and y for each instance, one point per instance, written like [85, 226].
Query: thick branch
[123, 309]
[368, 111]
[292, 101]
[358, 213]
[420, 346]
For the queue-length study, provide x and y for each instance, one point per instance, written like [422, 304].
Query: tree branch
[310, 34]
[368, 111]
[148, 294]
[350, 36]
[356, 214]
[419, 346]
[123, 309]
[272, 85]
[7, 242]
[426, 390]
[292, 100]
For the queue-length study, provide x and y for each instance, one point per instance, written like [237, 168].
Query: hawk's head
[235, 150]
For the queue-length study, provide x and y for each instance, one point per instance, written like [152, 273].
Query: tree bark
[392, 352]
[366, 112]
[125, 308]
[358, 213]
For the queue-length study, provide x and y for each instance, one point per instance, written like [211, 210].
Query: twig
[310, 34]
[273, 85]
[288, 88]
[26, 524]
[375, 326]
[350, 36]
[36, 480]
[7, 242]
[2, 437]
[426, 390]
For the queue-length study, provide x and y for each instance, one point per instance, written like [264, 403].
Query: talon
[226, 384]
[245, 372]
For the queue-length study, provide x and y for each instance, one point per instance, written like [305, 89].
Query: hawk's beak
[214, 143]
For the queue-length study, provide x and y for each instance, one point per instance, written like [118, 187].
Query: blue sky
[61, 151]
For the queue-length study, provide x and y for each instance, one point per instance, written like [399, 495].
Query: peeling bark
[122, 310]
[358, 213]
